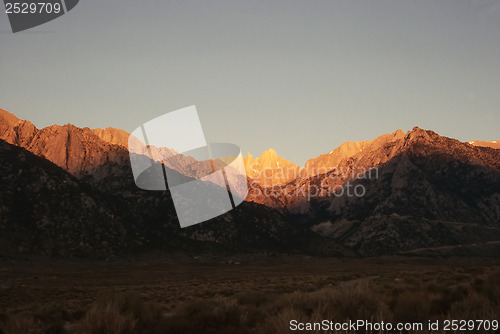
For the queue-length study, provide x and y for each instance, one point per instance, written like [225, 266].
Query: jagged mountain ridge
[331, 170]
[269, 169]
[362, 160]
[84, 151]
[100, 152]
[418, 199]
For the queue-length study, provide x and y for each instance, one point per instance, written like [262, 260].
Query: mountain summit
[270, 169]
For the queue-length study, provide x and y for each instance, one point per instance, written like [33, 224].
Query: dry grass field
[240, 294]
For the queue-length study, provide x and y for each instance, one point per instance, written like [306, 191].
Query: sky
[298, 76]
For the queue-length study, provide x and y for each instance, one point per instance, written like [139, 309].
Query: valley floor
[244, 293]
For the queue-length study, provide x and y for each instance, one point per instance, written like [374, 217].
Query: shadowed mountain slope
[46, 211]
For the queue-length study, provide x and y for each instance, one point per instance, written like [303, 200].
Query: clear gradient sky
[298, 76]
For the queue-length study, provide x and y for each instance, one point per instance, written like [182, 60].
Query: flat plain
[244, 293]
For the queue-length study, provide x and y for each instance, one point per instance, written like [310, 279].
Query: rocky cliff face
[78, 151]
[82, 151]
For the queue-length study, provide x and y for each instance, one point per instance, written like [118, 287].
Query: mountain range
[69, 191]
